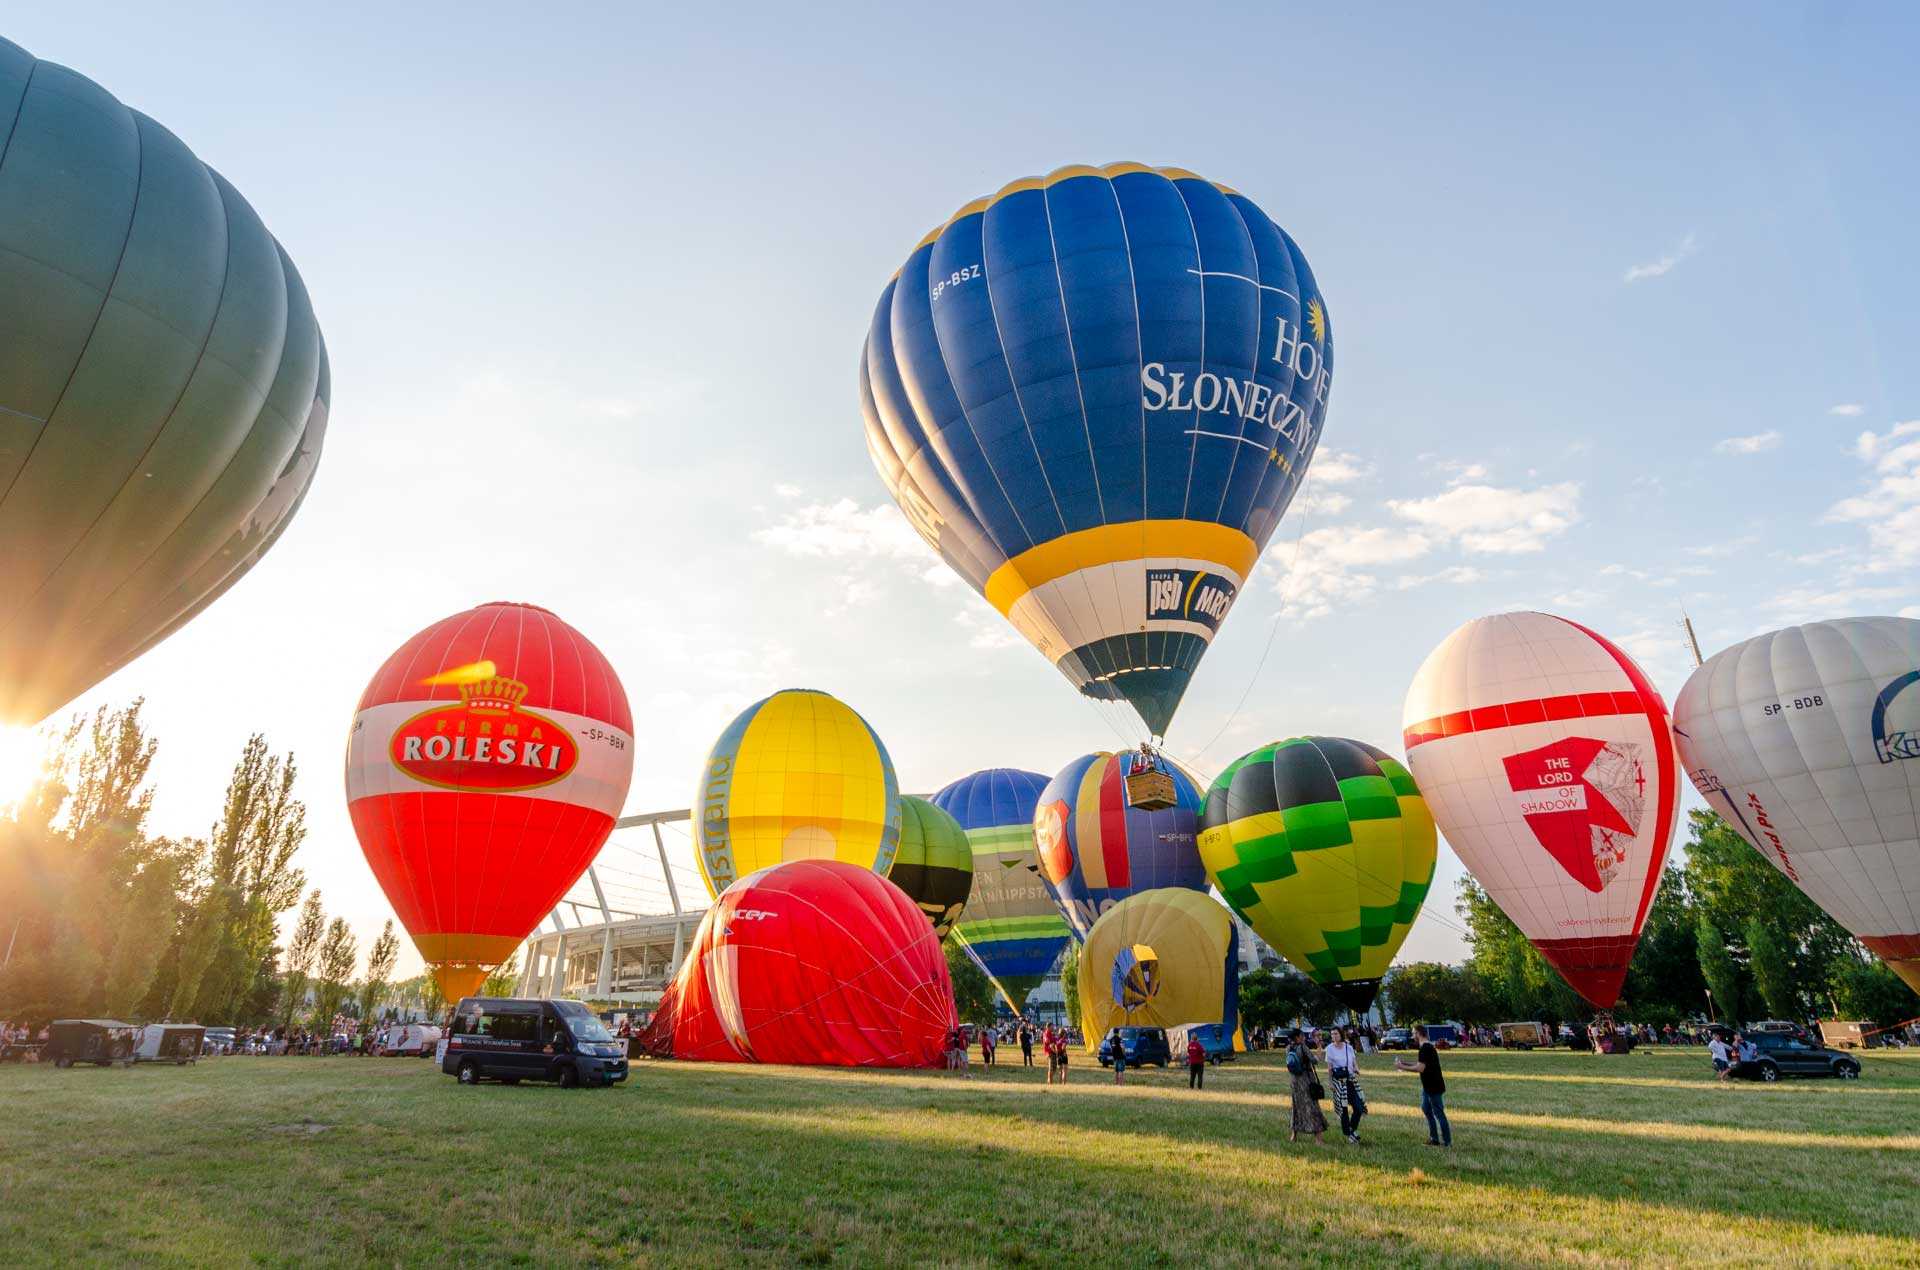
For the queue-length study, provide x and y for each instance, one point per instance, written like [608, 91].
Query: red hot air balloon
[1547, 760]
[487, 762]
[815, 962]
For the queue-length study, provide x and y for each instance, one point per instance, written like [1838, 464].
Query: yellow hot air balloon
[798, 776]
[1160, 958]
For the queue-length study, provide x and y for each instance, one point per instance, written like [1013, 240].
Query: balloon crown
[495, 695]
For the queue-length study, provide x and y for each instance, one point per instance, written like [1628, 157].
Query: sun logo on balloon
[1317, 319]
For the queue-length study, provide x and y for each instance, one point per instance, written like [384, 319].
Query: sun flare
[20, 750]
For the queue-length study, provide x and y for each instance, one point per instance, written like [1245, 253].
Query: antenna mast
[1693, 641]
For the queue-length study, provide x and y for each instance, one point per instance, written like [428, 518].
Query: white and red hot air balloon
[1548, 762]
[487, 762]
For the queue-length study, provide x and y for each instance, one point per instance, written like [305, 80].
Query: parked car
[512, 1039]
[1783, 1055]
[1142, 1046]
[1215, 1038]
[102, 1042]
[1397, 1038]
[220, 1040]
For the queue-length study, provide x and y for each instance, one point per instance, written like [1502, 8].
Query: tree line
[101, 917]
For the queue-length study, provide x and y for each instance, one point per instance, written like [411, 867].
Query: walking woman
[1307, 1116]
[1343, 1069]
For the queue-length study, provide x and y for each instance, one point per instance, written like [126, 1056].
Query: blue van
[1143, 1046]
[511, 1039]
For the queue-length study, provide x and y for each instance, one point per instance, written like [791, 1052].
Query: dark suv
[1397, 1038]
[1782, 1055]
[1142, 1046]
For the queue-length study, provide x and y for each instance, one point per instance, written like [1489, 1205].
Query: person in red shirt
[1196, 1063]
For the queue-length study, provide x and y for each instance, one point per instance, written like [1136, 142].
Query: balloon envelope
[1094, 393]
[1096, 850]
[487, 762]
[1161, 958]
[934, 865]
[1326, 848]
[1808, 741]
[1548, 762]
[798, 776]
[817, 962]
[1012, 927]
[163, 385]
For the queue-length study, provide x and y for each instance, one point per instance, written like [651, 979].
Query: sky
[1621, 301]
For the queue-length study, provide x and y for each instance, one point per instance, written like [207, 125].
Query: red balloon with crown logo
[487, 761]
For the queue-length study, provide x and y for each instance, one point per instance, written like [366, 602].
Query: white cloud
[1458, 574]
[1662, 267]
[1876, 448]
[844, 530]
[1715, 550]
[1578, 598]
[1313, 502]
[1890, 505]
[1758, 443]
[1811, 603]
[1329, 568]
[1457, 471]
[987, 631]
[1337, 467]
[787, 491]
[1849, 410]
[1488, 519]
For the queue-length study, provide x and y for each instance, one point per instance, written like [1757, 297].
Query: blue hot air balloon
[1011, 926]
[1094, 394]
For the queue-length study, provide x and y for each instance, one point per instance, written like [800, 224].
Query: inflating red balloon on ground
[810, 962]
[487, 762]
[1547, 760]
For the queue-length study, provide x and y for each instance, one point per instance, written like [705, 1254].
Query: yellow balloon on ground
[798, 776]
[1161, 958]
[1327, 849]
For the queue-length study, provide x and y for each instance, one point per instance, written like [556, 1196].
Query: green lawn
[1558, 1156]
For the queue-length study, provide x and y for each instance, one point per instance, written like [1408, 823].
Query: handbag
[1315, 1090]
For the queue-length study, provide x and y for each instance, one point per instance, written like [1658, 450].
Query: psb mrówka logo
[485, 742]
[1188, 595]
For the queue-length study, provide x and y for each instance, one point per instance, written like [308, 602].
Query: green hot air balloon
[163, 385]
[934, 865]
[1327, 849]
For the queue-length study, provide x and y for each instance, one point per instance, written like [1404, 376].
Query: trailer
[176, 1043]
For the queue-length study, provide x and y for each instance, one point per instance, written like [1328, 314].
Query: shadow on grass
[1817, 1182]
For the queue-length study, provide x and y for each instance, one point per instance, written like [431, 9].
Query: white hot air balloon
[1808, 741]
[1547, 760]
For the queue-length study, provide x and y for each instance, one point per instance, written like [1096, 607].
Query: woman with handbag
[1343, 1068]
[1307, 1093]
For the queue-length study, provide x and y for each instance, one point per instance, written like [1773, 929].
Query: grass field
[1558, 1156]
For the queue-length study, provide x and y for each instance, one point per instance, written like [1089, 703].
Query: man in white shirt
[1717, 1050]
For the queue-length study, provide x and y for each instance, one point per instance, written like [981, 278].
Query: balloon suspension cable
[1273, 625]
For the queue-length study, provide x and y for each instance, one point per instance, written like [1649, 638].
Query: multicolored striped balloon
[1327, 849]
[798, 776]
[934, 865]
[1096, 850]
[1012, 928]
